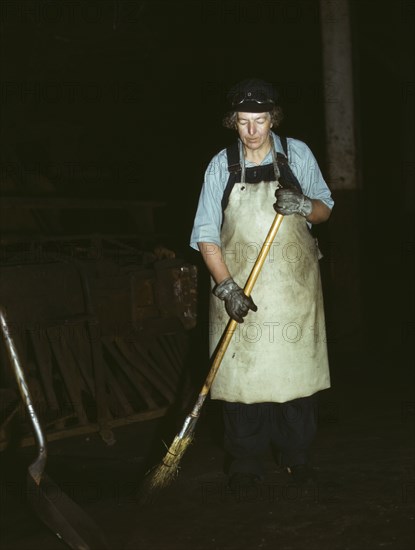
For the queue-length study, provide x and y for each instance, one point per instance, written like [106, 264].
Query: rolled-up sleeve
[208, 219]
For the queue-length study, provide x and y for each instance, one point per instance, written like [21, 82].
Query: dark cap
[252, 96]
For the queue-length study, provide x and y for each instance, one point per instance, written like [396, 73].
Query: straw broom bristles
[168, 469]
[162, 475]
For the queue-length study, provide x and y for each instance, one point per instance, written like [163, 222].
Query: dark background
[124, 100]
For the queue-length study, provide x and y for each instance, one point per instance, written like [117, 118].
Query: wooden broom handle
[231, 327]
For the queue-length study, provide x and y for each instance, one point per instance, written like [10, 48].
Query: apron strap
[242, 156]
[274, 159]
[232, 153]
[284, 144]
[279, 169]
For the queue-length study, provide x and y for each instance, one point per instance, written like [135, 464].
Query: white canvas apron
[279, 353]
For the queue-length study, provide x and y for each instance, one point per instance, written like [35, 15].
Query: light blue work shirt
[208, 219]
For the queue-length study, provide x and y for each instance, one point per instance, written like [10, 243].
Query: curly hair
[229, 121]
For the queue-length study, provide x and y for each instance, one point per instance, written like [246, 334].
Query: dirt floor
[363, 500]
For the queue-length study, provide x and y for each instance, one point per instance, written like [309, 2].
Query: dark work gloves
[237, 303]
[292, 202]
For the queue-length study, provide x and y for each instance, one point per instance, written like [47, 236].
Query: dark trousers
[251, 429]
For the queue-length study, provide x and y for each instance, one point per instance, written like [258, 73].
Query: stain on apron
[279, 353]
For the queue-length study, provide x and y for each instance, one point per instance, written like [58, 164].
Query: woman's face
[253, 129]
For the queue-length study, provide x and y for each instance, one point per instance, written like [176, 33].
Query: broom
[163, 474]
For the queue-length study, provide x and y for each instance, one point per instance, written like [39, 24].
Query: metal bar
[37, 467]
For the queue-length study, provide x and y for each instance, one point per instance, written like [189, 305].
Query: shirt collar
[268, 158]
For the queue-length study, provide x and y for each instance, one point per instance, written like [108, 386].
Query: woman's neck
[257, 156]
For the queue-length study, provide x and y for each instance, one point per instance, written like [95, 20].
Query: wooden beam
[344, 319]
[338, 94]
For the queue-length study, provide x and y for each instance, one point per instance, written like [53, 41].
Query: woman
[277, 362]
